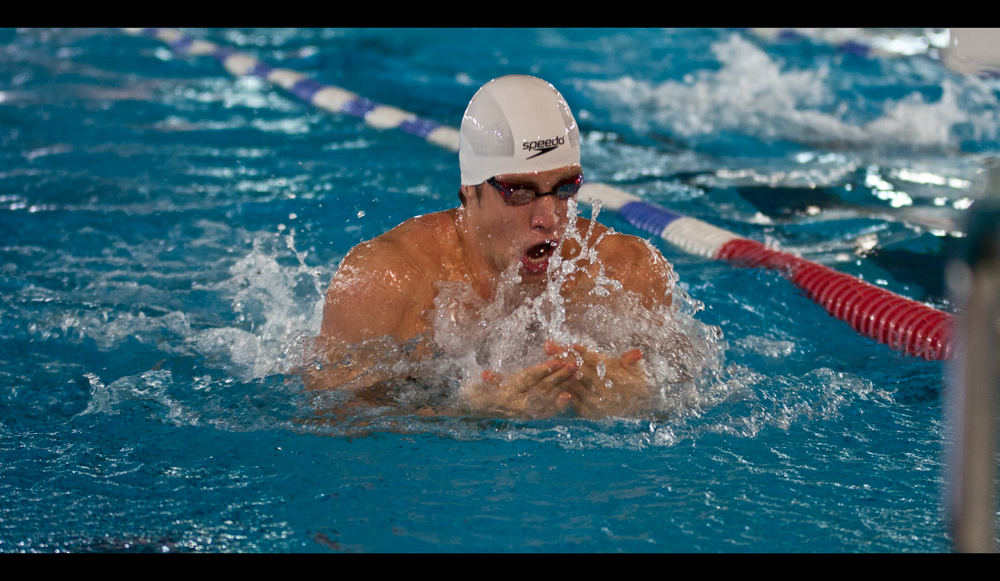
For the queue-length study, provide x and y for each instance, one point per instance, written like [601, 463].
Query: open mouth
[536, 258]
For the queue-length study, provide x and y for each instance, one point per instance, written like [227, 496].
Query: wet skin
[386, 287]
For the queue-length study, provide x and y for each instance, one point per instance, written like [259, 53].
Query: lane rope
[861, 42]
[901, 323]
[933, 44]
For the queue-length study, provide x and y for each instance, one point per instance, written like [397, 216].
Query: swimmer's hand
[603, 385]
[538, 391]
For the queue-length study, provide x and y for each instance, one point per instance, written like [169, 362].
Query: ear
[464, 194]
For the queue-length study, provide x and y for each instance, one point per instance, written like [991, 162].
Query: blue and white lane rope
[328, 97]
[690, 234]
[862, 42]
[899, 322]
[975, 56]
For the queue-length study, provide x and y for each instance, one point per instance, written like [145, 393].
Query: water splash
[150, 387]
[276, 307]
[244, 316]
[742, 403]
[507, 333]
[752, 94]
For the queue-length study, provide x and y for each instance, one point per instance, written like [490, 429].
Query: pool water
[168, 232]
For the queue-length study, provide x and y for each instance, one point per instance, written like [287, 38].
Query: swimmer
[519, 155]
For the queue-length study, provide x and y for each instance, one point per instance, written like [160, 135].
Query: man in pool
[519, 154]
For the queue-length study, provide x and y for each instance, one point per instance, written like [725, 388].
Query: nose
[545, 213]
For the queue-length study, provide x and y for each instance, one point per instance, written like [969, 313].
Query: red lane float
[901, 323]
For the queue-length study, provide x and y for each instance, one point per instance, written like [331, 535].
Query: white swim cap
[516, 124]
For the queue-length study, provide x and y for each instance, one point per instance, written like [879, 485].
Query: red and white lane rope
[875, 312]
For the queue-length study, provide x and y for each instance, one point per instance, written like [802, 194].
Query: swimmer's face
[525, 234]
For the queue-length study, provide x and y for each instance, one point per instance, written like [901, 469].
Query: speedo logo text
[542, 145]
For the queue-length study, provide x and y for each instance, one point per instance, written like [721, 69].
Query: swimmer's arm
[368, 295]
[369, 305]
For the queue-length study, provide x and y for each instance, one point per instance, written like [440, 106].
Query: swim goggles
[520, 194]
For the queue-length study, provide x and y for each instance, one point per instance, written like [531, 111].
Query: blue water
[168, 232]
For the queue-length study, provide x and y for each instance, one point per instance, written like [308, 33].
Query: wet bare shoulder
[380, 282]
[636, 263]
[596, 229]
[422, 240]
[411, 246]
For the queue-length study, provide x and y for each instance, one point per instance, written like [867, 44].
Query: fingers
[630, 357]
[575, 376]
[563, 400]
[592, 383]
[591, 358]
[591, 363]
[537, 373]
[558, 378]
[547, 374]
[526, 377]
[537, 391]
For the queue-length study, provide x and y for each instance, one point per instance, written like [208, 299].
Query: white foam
[280, 304]
[752, 94]
[781, 401]
[276, 296]
[150, 386]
